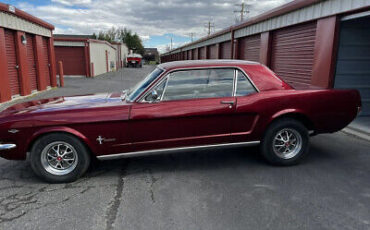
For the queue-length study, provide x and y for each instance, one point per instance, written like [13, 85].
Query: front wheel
[59, 158]
[285, 142]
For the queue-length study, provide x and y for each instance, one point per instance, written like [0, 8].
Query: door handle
[17, 66]
[228, 102]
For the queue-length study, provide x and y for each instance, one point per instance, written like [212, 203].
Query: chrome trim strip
[7, 146]
[173, 150]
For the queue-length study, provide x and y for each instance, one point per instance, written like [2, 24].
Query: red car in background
[178, 107]
[134, 60]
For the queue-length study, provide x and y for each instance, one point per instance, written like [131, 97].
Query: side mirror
[153, 96]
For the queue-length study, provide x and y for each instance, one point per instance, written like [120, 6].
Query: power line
[243, 10]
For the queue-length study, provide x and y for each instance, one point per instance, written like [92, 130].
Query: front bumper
[7, 146]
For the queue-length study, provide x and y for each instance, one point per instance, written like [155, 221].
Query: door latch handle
[17, 66]
[227, 102]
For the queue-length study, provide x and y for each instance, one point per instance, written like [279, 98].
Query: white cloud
[146, 17]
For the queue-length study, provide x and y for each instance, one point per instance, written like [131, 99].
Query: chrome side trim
[7, 146]
[173, 150]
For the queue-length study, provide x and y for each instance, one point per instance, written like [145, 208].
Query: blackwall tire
[286, 142]
[59, 158]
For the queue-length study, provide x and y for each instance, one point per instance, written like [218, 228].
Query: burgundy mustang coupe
[179, 106]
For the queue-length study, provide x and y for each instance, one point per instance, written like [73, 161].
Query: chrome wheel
[59, 158]
[287, 143]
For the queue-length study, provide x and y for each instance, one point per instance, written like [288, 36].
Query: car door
[192, 108]
[247, 109]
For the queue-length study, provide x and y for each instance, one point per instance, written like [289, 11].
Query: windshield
[141, 86]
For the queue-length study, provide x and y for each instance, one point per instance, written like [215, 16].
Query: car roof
[205, 63]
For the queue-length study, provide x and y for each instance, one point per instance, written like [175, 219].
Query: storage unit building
[27, 62]
[323, 43]
[83, 56]
[121, 54]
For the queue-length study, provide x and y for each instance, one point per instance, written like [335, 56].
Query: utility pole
[191, 35]
[171, 44]
[242, 11]
[209, 26]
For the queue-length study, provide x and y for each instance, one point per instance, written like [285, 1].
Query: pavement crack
[112, 211]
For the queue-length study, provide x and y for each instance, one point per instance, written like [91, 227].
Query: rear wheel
[59, 158]
[285, 142]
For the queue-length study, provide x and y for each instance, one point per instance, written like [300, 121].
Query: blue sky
[155, 21]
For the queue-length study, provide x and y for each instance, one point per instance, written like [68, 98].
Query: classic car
[179, 106]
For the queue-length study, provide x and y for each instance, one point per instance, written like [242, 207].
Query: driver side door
[190, 108]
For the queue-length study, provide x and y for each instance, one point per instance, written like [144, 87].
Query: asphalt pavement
[215, 189]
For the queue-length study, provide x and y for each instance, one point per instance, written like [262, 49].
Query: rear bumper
[7, 146]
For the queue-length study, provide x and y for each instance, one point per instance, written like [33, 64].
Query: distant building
[27, 62]
[151, 54]
[83, 56]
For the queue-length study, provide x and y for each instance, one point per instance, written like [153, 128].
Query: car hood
[67, 103]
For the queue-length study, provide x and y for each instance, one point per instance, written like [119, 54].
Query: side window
[243, 87]
[205, 83]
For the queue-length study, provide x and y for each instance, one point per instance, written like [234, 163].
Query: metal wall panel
[12, 62]
[293, 53]
[46, 62]
[353, 60]
[213, 52]
[31, 62]
[15, 23]
[68, 43]
[73, 58]
[97, 56]
[249, 48]
[225, 49]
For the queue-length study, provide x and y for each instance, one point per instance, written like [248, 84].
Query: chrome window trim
[165, 75]
[178, 149]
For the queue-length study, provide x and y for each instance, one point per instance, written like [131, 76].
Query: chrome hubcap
[59, 158]
[287, 143]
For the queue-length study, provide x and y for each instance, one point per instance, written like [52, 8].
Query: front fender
[63, 129]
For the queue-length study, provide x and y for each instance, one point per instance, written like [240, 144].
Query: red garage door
[213, 52]
[31, 62]
[195, 54]
[293, 53]
[202, 53]
[225, 49]
[45, 62]
[249, 48]
[12, 62]
[73, 59]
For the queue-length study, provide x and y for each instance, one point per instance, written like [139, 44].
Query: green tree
[132, 40]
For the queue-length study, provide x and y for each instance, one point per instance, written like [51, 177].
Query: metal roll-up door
[293, 53]
[249, 48]
[225, 50]
[213, 52]
[195, 54]
[12, 62]
[202, 53]
[189, 54]
[45, 62]
[31, 62]
[73, 58]
[353, 59]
